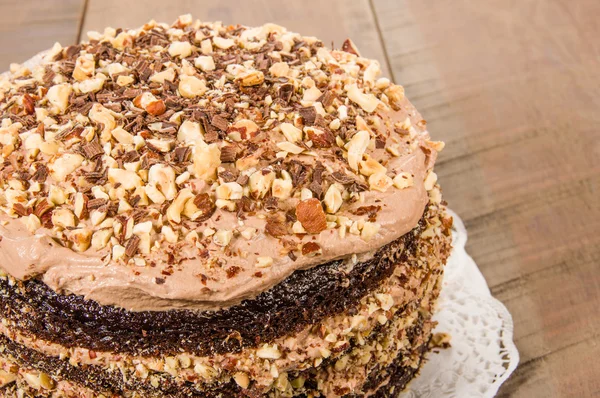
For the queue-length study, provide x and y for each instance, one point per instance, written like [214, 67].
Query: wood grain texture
[330, 21]
[512, 87]
[28, 27]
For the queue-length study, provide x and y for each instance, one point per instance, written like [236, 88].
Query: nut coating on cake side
[212, 210]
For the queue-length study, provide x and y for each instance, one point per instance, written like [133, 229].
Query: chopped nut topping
[403, 180]
[191, 86]
[252, 78]
[144, 142]
[311, 215]
[333, 199]
[264, 262]
[222, 237]
[356, 148]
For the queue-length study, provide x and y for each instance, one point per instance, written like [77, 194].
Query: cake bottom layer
[20, 382]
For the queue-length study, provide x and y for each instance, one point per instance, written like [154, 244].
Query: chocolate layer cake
[201, 210]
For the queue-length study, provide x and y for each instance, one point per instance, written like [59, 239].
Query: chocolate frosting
[217, 277]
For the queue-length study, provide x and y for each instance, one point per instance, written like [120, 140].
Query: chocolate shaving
[228, 154]
[318, 173]
[320, 121]
[327, 98]
[181, 154]
[316, 188]
[358, 186]
[285, 92]
[93, 204]
[72, 52]
[242, 179]
[49, 75]
[228, 176]
[131, 93]
[308, 114]
[92, 149]
[220, 122]
[211, 136]
[97, 177]
[298, 173]
[246, 204]
[342, 178]
[41, 173]
[135, 200]
[143, 70]
[131, 247]
[130, 156]
[271, 204]
[275, 227]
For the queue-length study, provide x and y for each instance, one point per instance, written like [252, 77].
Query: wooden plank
[511, 86]
[28, 27]
[330, 21]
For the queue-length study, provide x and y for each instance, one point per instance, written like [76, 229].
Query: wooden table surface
[511, 86]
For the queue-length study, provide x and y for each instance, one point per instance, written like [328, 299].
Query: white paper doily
[482, 354]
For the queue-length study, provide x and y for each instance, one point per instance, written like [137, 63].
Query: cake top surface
[197, 164]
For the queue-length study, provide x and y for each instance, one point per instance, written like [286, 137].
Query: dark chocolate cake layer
[326, 290]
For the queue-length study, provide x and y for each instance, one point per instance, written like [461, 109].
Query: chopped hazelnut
[174, 211]
[222, 43]
[268, 352]
[205, 63]
[160, 77]
[279, 69]
[162, 177]
[368, 102]
[191, 86]
[58, 95]
[264, 262]
[333, 199]
[206, 160]
[126, 178]
[260, 182]
[64, 165]
[253, 78]
[84, 67]
[291, 132]
[181, 49]
[430, 180]
[222, 237]
[403, 180]
[356, 148]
